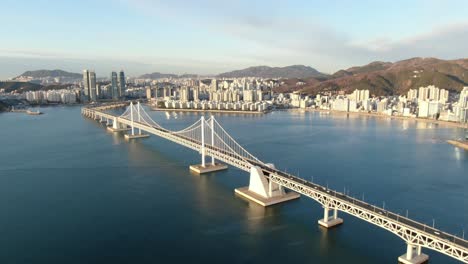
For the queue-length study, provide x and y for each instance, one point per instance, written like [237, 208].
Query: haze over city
[209, 37]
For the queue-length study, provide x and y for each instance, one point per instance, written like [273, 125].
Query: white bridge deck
[413, 232]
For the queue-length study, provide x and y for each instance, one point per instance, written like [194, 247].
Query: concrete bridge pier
[413, 255]
[102, 121]
[328, 220]
[263, 191]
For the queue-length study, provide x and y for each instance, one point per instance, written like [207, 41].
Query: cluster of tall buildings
[94, 92]
[425, 102]
[429, 93]
[229, 91]
[63, 96]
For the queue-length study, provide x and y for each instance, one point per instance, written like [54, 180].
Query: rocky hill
[158, 75]
[386, 78]
[294, 71]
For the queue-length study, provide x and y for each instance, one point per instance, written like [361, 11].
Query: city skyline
[210, 37]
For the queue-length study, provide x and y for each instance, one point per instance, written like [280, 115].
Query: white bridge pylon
[211, 136]
[213, 140]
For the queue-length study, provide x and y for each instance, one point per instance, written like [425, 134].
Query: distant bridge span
[267, 183]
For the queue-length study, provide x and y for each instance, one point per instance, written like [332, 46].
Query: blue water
[70, 192]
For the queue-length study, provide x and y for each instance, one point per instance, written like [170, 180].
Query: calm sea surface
[70, 192]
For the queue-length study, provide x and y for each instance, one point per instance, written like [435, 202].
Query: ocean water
[71, 192]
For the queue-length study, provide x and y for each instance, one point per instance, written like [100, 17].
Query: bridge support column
[263, 191]
[117, 127]
[330, 221]
[102, 120]
[413, 255]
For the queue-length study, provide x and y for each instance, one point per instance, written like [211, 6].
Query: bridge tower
[213, 166]
[135, 114]
[263, 191]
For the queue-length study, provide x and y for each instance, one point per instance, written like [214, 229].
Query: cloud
[224, 35]
[280, 39]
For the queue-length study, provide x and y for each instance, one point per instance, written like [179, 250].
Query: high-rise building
[86, 83]
[89, 83]
[463, 101]
[423, 93]
[184, 94]
[122, 83]
[114, 86]
[148, 93]
[92, 86]
[196, 94]
[463, 105]
[412, 94]
[444, 95]
[434, 93]
[214, 85]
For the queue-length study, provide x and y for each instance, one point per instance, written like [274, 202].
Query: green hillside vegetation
[19, 87]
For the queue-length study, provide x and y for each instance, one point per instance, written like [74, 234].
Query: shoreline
[439, 122]
[207, 110]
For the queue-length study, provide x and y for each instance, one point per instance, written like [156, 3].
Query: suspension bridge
[269, 185]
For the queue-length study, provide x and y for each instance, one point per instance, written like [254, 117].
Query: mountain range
[294, 71]
[158, 75]
[380, 78]
[50, 73]
[386, 78]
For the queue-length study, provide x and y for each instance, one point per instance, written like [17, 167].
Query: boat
[29, 112]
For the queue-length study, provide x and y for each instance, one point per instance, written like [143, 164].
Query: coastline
[207, 110]
[439, 122]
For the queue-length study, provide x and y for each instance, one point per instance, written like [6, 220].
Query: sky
[214, 36]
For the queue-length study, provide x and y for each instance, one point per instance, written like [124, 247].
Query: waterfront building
[114, 86]
[184, 94]
[434, 93]
[196, 94]
[463, 106]
[341, 104]
[148, 93]
[89, 83]
[443, 96]
[412, 94]
[359, 95]
[214, 85]
[382, 105]
[86, 83]
[423, 110]
[248, 96]
[423, 93]
[122, 84]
